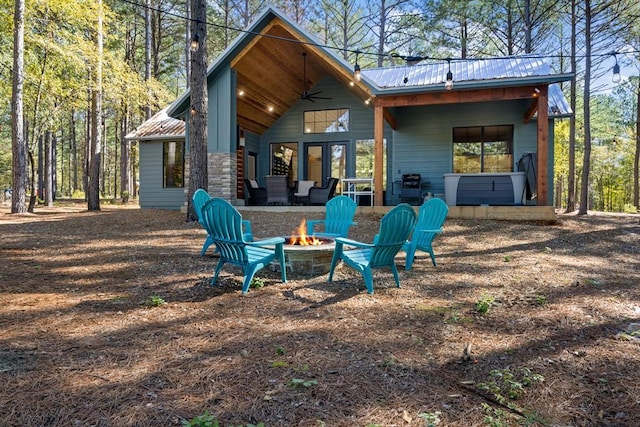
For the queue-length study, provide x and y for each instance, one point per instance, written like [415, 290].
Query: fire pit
[307, 254]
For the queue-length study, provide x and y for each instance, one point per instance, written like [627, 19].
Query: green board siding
[423, 141]
[289, 127]
[221, 124]
[152, 194]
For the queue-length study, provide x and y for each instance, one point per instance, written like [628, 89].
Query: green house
[281, 103]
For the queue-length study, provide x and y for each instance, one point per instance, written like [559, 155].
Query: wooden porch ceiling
[270, 76]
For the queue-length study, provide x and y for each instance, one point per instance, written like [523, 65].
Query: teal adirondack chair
[431, 217]
[223, 223]
[340, 211]
[395, 228]
[200, 197]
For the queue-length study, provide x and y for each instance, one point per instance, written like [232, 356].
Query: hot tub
[497, 188]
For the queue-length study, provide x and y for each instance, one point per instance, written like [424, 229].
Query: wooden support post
[378, 135]
[543, 147]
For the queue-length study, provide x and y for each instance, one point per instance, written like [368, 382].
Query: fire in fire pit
[308, 254]
[301, 238]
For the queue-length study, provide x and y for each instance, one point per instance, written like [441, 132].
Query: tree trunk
[40, 168]
[636, 159]
[187, 54]
[18, 140]
[198, 173]
[48, 170]
[74, 153]
[147, 54]
[125, 158]
[527, 26]
[586, 163]
[571, 178]
[93, 196]
[33, 198]
[383, 32]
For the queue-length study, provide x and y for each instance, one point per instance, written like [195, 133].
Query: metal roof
[515, 67]
[558, 105]
[515, 70]
[160, 126]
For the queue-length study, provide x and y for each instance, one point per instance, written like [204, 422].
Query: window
[284, 160]
[483, 149]
[326, 121]
[173, 164]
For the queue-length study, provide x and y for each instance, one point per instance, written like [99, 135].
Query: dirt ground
[519, 324]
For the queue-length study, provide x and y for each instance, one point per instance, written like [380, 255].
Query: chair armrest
[311, 225]
[267, 242]
[351, 242]
[427, 230]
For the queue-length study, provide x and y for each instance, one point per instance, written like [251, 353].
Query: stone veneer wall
[222, 170]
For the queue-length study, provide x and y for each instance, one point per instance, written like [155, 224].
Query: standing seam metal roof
[160, 126]
[462, 70]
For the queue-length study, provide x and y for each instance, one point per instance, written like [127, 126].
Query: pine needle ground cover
[108, 319]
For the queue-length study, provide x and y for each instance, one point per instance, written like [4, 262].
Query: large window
[326, 121]
[483, 149]
[173, 164]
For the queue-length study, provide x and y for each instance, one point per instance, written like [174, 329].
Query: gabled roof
[158, 127]
[267, 59]
[267, 62]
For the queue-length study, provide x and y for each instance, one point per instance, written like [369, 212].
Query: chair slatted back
[340, 211]
[223, 222]
[200, 197]
[395, 228]
[431, 216]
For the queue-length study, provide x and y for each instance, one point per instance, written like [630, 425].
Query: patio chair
[431, 216]
[200, 197]
[301, 191]
[223, 223]
[338, 218]
[411, 188]
[257, 194]
[277, 190]
[321, 195]
[395, 228]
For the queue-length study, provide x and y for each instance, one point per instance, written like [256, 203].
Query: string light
[448, 85]
[195, 42]
[615, 78]
[356, 68]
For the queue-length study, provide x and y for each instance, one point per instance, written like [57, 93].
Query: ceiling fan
[309, 96]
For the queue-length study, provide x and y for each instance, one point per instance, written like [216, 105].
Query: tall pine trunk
[18, 140]
[125, 158]
[636, 159]
[571, 178]
[48, 169]
[198, 173]
[93, 196]
[586, 162]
